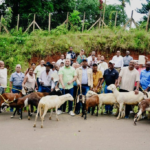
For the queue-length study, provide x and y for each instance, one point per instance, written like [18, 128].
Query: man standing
[93, 61]
[118, 60]
[16, 80]
[40, 68]
[84, 79]
[67, 75]
[97, 79]
[127, 59]
[110, 77]
[145, 78]
[3, 77]
[72, 55]
[102, 65]
[81, 56]
[45, 79]
[127, 77]
[62, 59]
[90, 57]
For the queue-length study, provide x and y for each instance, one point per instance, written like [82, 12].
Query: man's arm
[119, 80]
[10, 86]
[74, 79]
[61, 81]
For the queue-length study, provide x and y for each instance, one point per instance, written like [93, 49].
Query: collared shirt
[129, 77]
[145, 79]
[102, 66]
[38, 70]
[118, 61]
[110, 76]
[17, 79]
[45, 78]
[90, 59]
[126, 60]
[139, 70]
[73, 56]
[68, 74]
[59, 61]
[79, 58]
[96, 77]
[3, 77]
[84, 76]
[92, 62]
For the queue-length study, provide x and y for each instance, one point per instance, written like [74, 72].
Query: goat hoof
[117, 118]
[34, 125]
[28, 118]
[41, 126]
[12, 117]
[20, 119]
[50, 118]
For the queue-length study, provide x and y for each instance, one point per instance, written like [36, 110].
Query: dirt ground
[73, 133]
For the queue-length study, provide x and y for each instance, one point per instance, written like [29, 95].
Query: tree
[123, 2]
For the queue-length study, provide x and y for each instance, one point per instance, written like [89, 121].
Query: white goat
[50, 102]
[104, 99]
[123, 98]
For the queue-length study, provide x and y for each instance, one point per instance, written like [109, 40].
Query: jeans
[15, 91]
[38, 83]
[108, 107]
[128, 107]
[63, 106]
[2, 90]
[44, 89]
[85, 89]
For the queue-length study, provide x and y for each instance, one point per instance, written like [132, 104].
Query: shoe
[71, 113]
[59, 112]
[126, 117]
[77, 112]
[106, 112]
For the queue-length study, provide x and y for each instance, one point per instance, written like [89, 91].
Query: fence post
[49, 24]
[18, 22]
[83, 22]
[148, 21]
[116, 19]
[34, 23]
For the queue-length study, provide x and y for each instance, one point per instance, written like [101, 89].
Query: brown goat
[143, 105]
[87, 103]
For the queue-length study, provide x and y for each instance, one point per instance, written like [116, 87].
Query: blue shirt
[17, 79]
[145, 79]
[126, 60]
[84, 76]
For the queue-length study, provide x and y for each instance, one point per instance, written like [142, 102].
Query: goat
[123, 98]
[144, 105]
[50, 102]
[105, 99]
[87, 103]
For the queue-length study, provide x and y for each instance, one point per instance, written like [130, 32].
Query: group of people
[89, 73]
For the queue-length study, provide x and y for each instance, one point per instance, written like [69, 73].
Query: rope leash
[6, 101]
[11, 88]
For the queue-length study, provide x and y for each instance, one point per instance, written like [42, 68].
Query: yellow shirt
[96, 77]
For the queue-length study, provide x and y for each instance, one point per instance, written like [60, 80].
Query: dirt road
[73, 133]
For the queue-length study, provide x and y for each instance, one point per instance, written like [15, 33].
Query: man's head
[148, 66]
[2, 64]
[93, 53]
[42, 62]
[94, 67]
[61, 64]
[98, 57]
[62, 56]
[84, 63]
[70, 49]
[136, 65]
[111, 64]
[131, 64]
[127, 53]
[82, 52]
[102, 58]
[67, 62]
[18, 68]
[75, 65]
[118, 53]
[48, 66]
[56, 67]
[93, 57]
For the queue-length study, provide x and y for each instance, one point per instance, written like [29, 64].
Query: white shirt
[59, 61]
[90, 59]
[3, 77]
[45, 78]
[38, 70]
[84, 76]
[118, 61]
[102, 67]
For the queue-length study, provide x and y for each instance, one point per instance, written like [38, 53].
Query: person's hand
[52, 78]
[63, 87]
[117, 85]
[41, 83]
[69, 82]
[11, 91]
[100, 86]
[52, 90]
[36, 88]
[136, 92]
[79, 84]
[95, 90]
[91, 89]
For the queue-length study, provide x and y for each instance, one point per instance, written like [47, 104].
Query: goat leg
[93, 108]
[14, 113]
[20, 114]
[85, 114]
[97, 110]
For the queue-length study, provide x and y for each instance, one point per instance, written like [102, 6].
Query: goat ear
[78, 99]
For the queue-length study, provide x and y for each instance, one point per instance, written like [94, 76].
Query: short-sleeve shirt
[79, 58]
[73, 56]
[129, 77]
[17, 79]
[38, 70]
[96, 77]
[68, 75]
[110, 76]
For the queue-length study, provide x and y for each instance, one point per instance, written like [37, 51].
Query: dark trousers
[63, 107]
[128, 107]
[38, 83]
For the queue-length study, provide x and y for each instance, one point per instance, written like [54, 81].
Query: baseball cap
[112, 62]
[84, 59]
